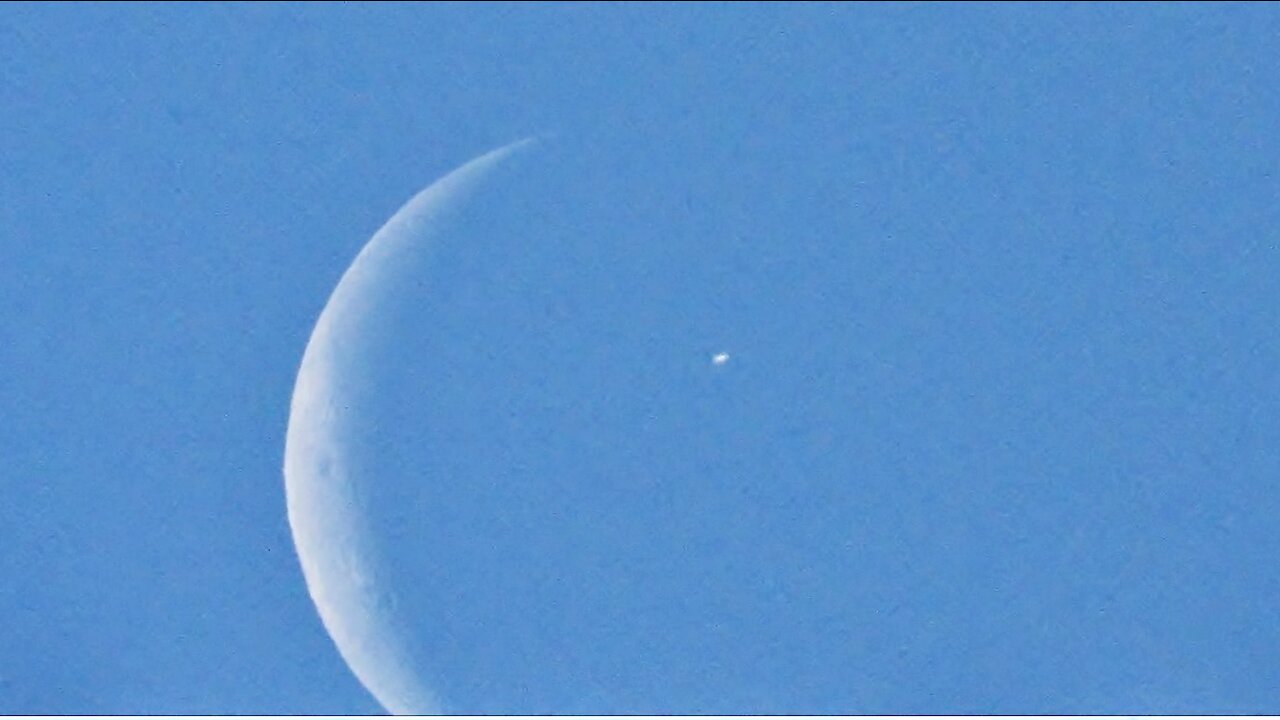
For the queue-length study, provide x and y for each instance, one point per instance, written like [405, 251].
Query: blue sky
[998, 283]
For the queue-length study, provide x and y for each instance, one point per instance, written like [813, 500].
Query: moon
[516, 485]
[336, 540]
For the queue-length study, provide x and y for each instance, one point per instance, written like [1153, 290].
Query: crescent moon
[333, 538]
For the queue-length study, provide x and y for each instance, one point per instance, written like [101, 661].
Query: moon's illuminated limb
[330, 529]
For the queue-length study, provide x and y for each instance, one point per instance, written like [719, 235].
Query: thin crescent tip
[522, 144]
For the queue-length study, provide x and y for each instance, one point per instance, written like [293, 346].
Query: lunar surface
[334, 530]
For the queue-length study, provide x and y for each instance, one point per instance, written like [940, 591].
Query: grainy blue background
[999, 283]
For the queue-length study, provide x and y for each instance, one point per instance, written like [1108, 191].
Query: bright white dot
[720, 359]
